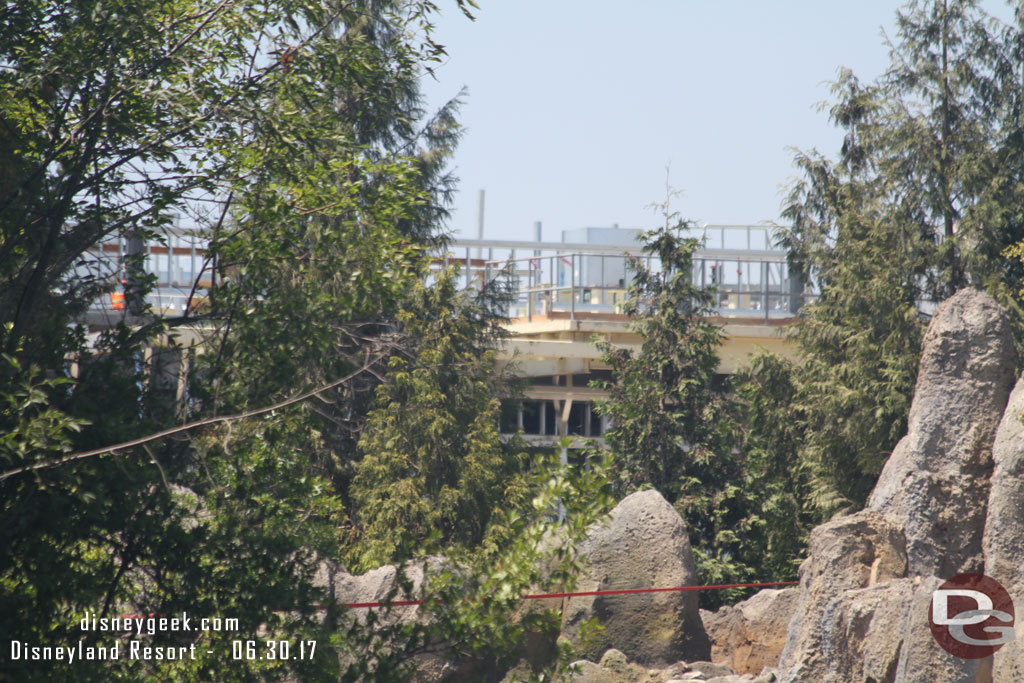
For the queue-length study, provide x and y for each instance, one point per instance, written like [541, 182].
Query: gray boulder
[1004, 526]
[433, 666]
[644, 545]
[864, 632]
[938, 474]
[373, 586]
[921, 658]
[881, 633]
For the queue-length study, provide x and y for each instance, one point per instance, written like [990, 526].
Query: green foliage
[860, 344]
[664, 402]
[474, 615]
[292, 132]
[922, 200]
[434, 465]
[776, 480]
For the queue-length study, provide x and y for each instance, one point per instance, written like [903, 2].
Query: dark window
[577, 413]
[509, 417]
[531, 417]
[595, 421]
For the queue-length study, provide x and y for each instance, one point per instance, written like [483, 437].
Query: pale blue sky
[575, 108]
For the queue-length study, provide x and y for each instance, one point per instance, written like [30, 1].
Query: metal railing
[748, 276]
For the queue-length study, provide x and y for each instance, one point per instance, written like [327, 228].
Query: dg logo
[971, 616]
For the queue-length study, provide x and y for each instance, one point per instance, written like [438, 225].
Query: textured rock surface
[1004, 526]
[864, 631]
[921, 658]
[933, 484]
[881, 634]
[645, 545]
[750, 635]
[373, 586]
[857, 618]
[845, 554]
[614, 668]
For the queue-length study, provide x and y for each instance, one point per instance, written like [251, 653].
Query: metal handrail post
[572, 287]
[764, 290]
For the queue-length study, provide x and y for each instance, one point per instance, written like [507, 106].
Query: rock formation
[615, 668]
[645, 545]
[845, 554]
[382, 583]
[934, 484]
[373, 586]
[750, 635]
[865, 589]
[1003, 542]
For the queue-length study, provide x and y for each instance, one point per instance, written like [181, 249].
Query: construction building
[567, 294]
[570, 293]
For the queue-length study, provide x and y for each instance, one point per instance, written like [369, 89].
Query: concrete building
[569, 293]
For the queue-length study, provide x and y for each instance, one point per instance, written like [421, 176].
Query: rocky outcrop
[849, 553]
[921, 659]
[1003, 542]
[866, 630]
[866, 587]
[933, 484]
[644, 545]
[614, 667]
[750, 635]
[373, 586]
[383, 584]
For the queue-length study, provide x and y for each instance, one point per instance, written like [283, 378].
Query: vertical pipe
[764, 289]
[572, 287]
[533, 273]
[480, 222]
[719, 279]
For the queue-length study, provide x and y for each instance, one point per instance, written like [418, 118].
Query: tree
[434, 463]
[115, 117]
[292, 133]
[672, 424]
[922, 200]
[776, 479]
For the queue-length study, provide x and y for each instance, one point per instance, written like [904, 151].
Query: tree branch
[192, 425]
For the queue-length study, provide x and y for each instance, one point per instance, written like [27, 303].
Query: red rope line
[542, 596]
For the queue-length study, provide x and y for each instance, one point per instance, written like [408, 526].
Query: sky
[575, 109]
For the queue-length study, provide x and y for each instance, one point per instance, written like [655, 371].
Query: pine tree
[433, 461]
[921, 201]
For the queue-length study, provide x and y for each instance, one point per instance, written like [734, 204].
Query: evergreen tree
[294, 121]
[776, 480]
[434, 467]
[922, 200]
